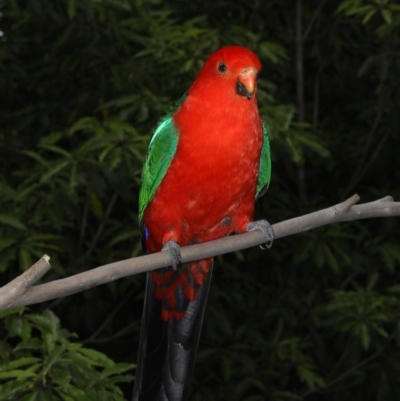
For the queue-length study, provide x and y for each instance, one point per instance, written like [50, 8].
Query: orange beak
[247, 78]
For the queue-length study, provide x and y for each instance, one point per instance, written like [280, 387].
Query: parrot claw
[174, 251]
[267, 230]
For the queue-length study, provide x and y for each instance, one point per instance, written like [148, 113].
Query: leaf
[123, 236]
[387, 15]
[365, 337]
[26, 191]
[369, 15]
[37, 157]
[16, 374]
[312, 143]
[96, 358]
[60, 376]
[372, 280]
[25, 259]
[116, 369]
[11, 388]
[13, 325]
[71, 10]
[48, 324]
[54, 170]
[25, 330]
[366, 66]
[273, 52]
[32, 343]
[12, 221]
[19, 362]
[331, 259]
[57, 150]
[96, 205]
[380, 330]
[87, 124]
[12, 311]
[29, 397]
[51, 139]
[52, 358]
[6, 242]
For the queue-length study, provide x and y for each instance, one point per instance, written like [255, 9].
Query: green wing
[161, 151]
[264, 171]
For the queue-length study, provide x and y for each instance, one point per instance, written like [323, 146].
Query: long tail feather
[168, 348]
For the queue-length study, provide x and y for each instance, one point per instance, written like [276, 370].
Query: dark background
[82, 85]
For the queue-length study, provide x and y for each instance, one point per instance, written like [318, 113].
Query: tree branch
[21, 291]
[313, 19]
[362, 166]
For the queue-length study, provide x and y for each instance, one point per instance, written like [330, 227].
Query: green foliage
[46, 365]
[85, 83]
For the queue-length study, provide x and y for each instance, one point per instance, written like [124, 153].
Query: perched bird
[207, 163]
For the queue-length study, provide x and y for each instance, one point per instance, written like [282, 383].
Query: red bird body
[209, 189]
[213, 176]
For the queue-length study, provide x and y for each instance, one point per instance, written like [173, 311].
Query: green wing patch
[264, 171]
[161, 151]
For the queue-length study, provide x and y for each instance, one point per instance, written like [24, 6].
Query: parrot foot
[174, 251]
[267, 230]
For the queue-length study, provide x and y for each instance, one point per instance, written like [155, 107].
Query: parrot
[208, 161]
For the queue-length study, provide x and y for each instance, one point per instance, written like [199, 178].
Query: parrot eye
[222, 68]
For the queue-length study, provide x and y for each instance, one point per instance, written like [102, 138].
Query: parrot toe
[174, 251]
[266, 228]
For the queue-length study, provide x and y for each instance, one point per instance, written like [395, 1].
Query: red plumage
[209, 189]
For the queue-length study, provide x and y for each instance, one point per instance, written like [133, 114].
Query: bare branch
[313, 19]
[103, 221]
[110, 316]
[363, 165]
[13, 293]
[20, 291]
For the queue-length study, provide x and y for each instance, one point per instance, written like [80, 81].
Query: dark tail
[167, 349]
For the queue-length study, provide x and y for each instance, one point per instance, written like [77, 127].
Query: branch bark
[21, 291]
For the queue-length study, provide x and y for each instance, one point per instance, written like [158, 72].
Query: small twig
[362, 167]
[371, 160]
[123, 332]
[344, 374]
[84, 220]
[20, 291]
[317, 82]
[16, 289]
[313, 19]
[103, 221]
[110, 317]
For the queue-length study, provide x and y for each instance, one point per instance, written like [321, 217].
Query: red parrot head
[232, 68]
